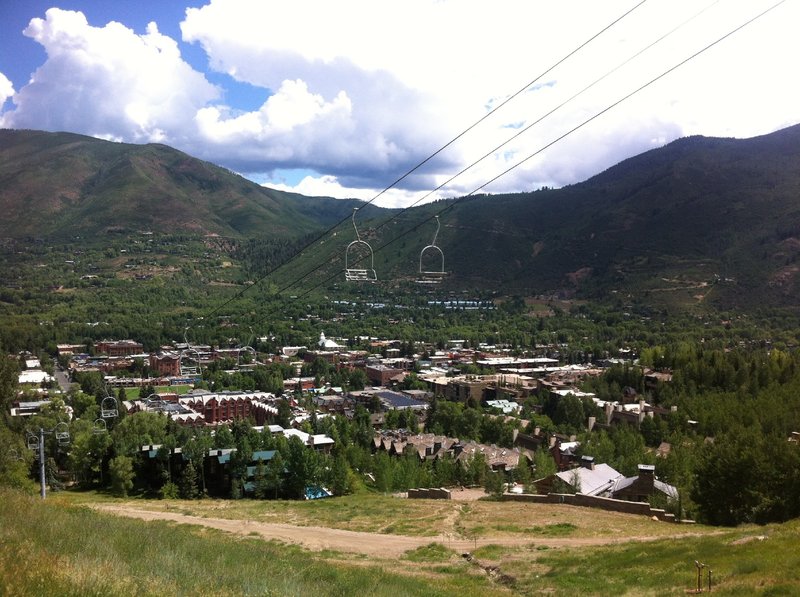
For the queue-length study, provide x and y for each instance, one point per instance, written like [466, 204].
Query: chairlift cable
[563, 136]
[395, 217]
[327, 232]
[550, 113]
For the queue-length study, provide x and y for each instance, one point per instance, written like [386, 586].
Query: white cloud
[361, 91]
[329, 186]
[109, 82]
[6, 91]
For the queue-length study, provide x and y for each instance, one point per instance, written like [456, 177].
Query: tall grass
[52, 548]
[57, 547]
[766, 566]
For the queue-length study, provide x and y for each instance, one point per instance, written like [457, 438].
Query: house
[400, 401]
[70, 349]
[27, 409]
[497, 458]
[222, 407]
[588, 478]
[260, 456]
[643, 486]
[34, 376]
[320, 442]
[428, 446]
[466, 390]
[505, 406]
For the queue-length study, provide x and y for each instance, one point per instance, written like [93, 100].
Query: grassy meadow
[63, 547]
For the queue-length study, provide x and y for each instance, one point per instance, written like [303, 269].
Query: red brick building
[118, 348]
[165, 364]
[219, 408]
[381, 375]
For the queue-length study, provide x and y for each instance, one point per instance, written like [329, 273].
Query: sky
[401, 102]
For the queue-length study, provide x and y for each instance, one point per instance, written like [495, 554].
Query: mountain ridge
[699, 220]
[63, 184]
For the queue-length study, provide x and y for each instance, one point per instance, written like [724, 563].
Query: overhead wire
[397, 216]
[330, 229]
[609, 107]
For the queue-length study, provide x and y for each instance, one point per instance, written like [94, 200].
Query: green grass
[180, 390]
[61, 547]
[433, 552]
[360, 512]
[559, 529]
[665, 567]
[56, 548]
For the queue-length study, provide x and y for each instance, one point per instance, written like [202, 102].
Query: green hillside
[701, 221]
[61, 185]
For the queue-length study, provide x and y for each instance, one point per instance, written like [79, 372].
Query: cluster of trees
[455, 419]
[733, 462]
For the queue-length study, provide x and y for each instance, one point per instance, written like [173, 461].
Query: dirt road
[373, 544]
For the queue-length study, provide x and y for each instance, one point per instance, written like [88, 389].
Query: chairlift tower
[356, 252]
[36, 443]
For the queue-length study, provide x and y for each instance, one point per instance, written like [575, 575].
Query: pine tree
[187, 484]
[260, 482]
[121, 470]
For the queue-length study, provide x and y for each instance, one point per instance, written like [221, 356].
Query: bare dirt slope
[373, 544]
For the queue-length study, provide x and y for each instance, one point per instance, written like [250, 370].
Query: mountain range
[698, 221]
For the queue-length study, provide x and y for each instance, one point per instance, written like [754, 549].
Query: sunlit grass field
[378, 513]
[62, 547]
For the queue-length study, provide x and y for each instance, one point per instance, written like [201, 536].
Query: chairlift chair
[357, 251]
[32, 441]
[62, 434]
[248, 349]
[156, 403]
[191, 369]
[99, 427]
[432, 253]
[108, 408]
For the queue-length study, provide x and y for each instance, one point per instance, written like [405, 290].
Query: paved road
[63, 380]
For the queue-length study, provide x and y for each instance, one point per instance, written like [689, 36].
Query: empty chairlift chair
[99, 427]
[357, 256]
[189, 361]
[62, 434]
[431, 261]
[251, 357]
[108, 407]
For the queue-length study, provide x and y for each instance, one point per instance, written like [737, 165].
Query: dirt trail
[373, 544]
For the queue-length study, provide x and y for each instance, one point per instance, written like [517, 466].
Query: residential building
[118, 348]
[643, 486]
